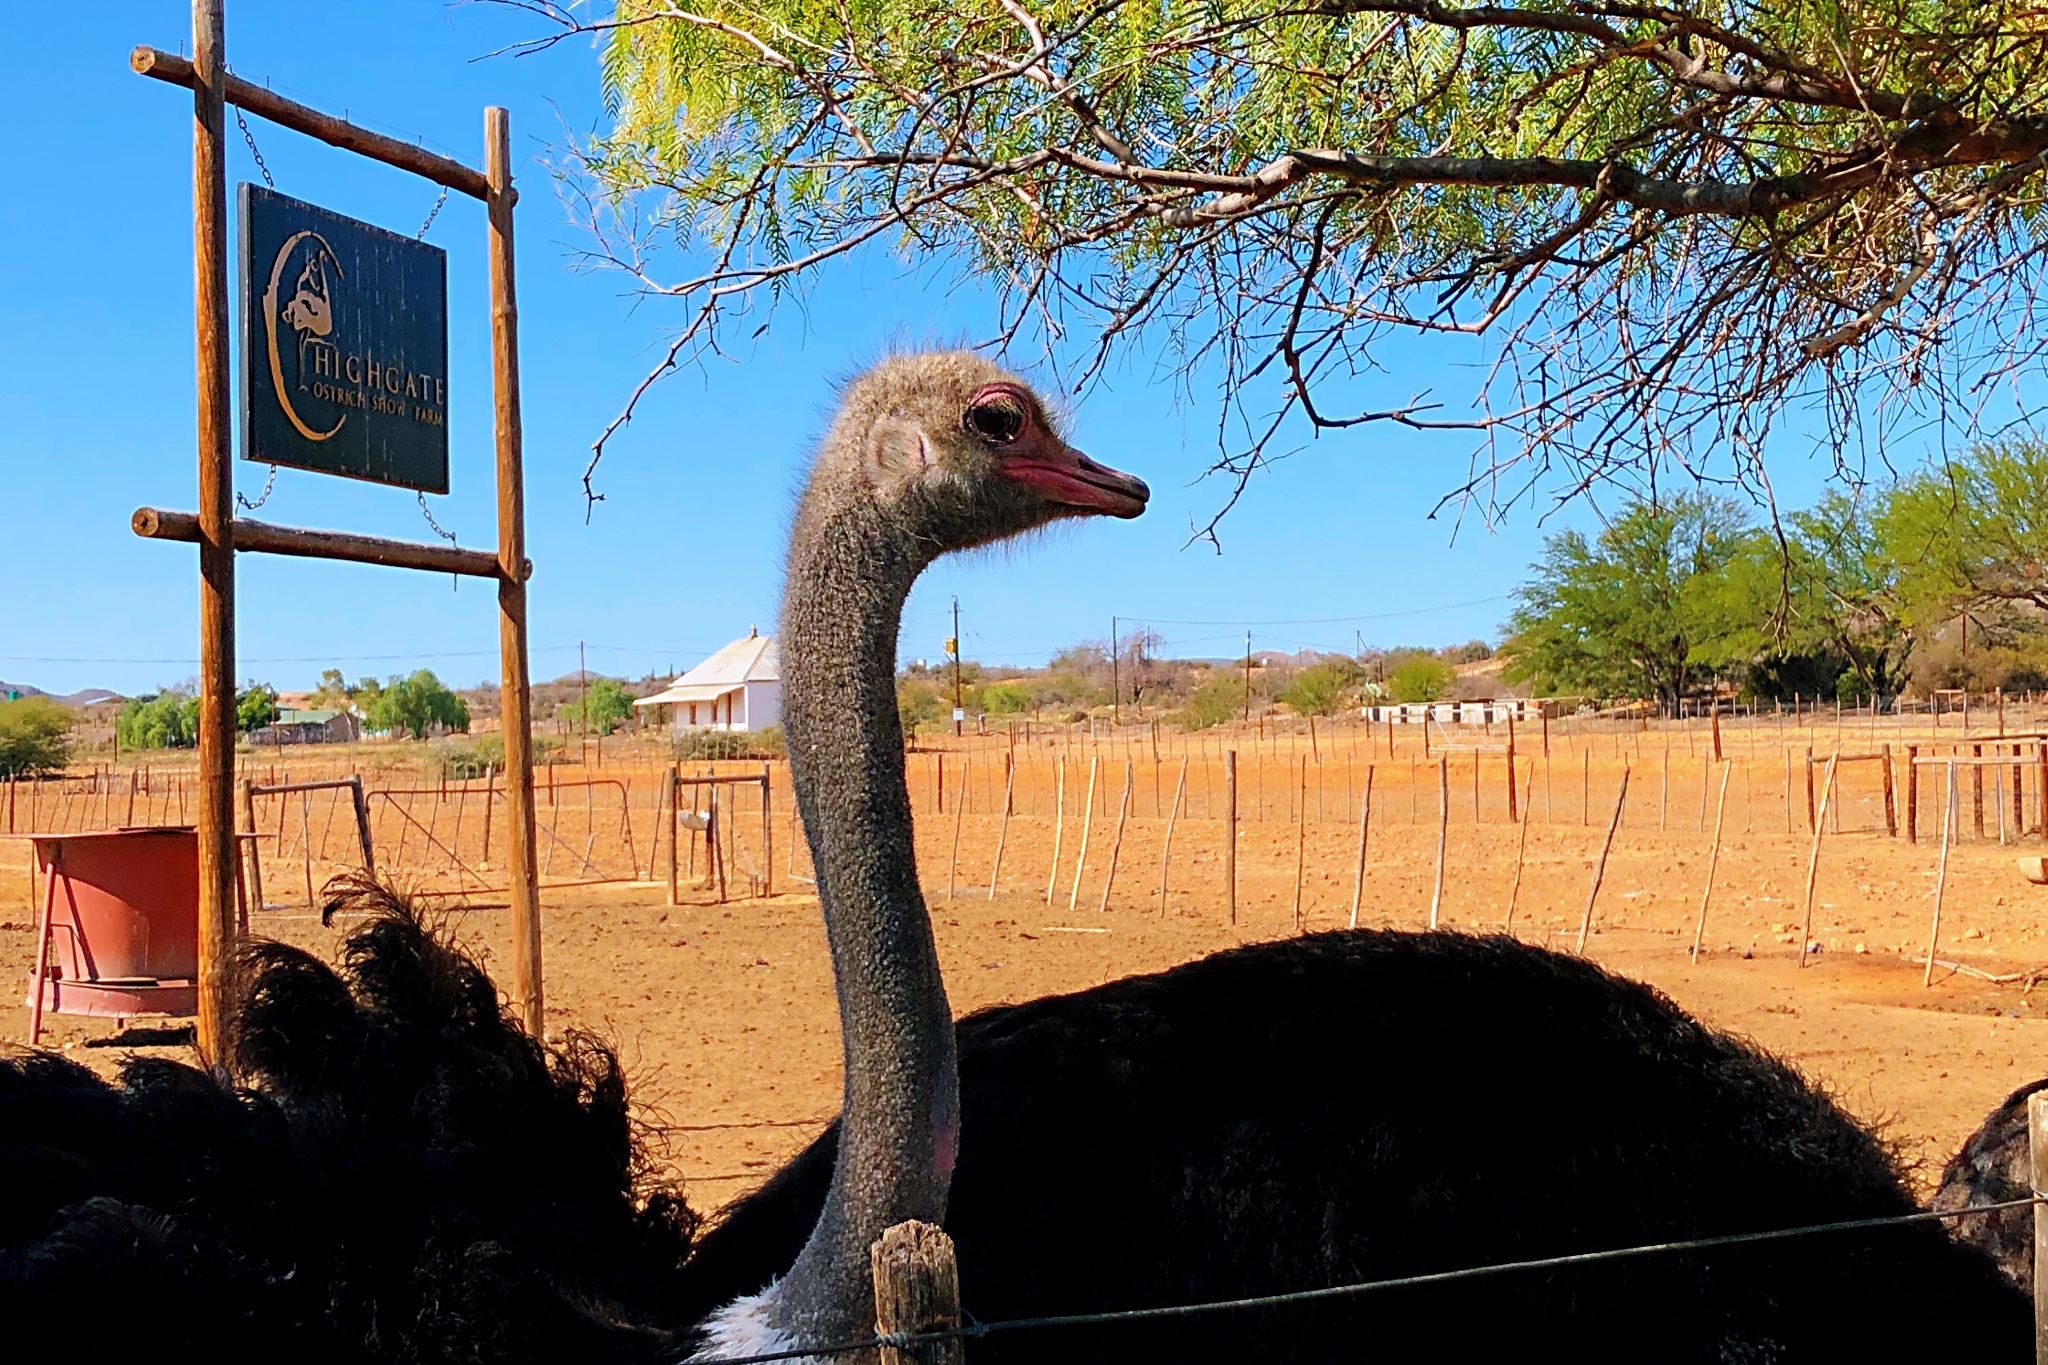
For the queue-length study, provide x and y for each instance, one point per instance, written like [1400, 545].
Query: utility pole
[1115, 716]
[959, 711]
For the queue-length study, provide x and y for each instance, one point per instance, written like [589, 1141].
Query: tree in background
[1640, 611]
[167, 720]
[35, 736]
[1666, 223]
[255, 706]
[1417, 675]
[413, 705]
[1324, 687]
[603, 706]
[1846, 587]
[333, 694]
[1969, 534]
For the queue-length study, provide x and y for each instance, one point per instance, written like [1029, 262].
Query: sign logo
[344, 345]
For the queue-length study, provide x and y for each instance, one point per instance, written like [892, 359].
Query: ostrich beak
[1065, 476]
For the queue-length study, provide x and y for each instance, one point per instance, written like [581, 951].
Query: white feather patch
[742, 1328]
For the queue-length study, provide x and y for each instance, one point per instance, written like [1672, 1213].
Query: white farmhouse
[738, 688]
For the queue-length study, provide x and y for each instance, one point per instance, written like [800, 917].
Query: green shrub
[1005, 698]
[35, 736]
[703, 746]
[1420, 677]
[486, 754]
[1214, 702]
[607, 703]
[410, 706]
[1321, 689]
[168, 720]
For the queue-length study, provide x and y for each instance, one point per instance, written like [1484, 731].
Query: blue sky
[1331, 546]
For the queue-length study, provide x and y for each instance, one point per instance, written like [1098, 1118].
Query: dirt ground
[725, 1018]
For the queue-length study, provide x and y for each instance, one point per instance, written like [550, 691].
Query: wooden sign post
[219, 535]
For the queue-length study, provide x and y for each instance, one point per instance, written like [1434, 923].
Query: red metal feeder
[119, 934]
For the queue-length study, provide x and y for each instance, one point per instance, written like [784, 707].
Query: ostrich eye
[995, 422]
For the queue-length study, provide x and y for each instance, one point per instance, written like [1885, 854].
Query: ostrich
[1292, 1115]
[1995, 1167]
[409, 1177]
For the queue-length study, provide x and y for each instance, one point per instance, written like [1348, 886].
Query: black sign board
[344, 345]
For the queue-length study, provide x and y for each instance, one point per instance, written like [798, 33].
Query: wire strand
[982, 1329]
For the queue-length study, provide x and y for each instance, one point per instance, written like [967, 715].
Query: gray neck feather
[850, 570]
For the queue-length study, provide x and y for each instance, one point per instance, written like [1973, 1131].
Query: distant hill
[87, 696]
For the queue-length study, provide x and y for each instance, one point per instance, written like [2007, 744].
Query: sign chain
[263, 169]
[262, 166]
[432, 214]
[269, 482]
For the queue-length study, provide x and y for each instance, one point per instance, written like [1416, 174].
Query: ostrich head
[957, 452]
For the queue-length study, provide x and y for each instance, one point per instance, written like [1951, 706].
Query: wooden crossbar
[261, 537]
[175, 70]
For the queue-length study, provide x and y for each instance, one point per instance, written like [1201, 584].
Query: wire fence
[972, 1330]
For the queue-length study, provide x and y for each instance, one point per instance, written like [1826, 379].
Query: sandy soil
[725, 1017]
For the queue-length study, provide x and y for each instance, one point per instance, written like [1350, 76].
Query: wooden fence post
[1713, 859]
[1948, 826]
[1003, 830]
[1116, 846]
[1521, 855]
[1443, 834]
[1913, 792]
[1230, 835]
[767, 836]
[1514, 812]
[254, 862]
[1813, 858]
[1059, 827]
[959, 814]
[1087, 826]
[1301, 842]
[1600, 868]
[1166, 852]
[917, 1290]
[675, 832]
[1891, 808]
[1364, 833]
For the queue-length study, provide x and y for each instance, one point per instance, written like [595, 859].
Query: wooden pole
[1713, 859]
[959, 815]
[767, 834]
[1230, 832]
[1059, 827]
[2037, 1168]
[1087, 826]
[1827, 793]
[1521, 855]
[1600, 867]
[1913, 792]
[1166, 852]
[1301, 845]
[1443, 835]
[515, 699]
[255, 862]
[1891, 809]
[1003, 830]
[917, 1290]
[1514, 812]
[1948, 826]
[1715, 722]
[361, 802]
[675, 825]
[217, 852]
[38, 982]
[1364, 832]
[1116, 845]
[306, 844]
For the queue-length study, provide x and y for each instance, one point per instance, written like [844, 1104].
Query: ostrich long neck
[850, 570]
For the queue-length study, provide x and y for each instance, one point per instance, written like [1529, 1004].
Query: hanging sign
[344, 345]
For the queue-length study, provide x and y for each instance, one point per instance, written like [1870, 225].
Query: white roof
[752, 658]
